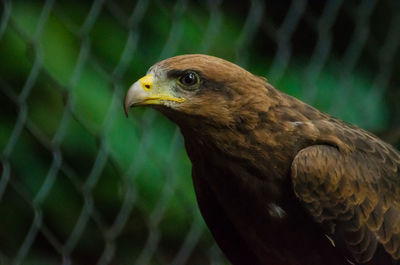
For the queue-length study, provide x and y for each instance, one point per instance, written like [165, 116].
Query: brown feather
[273, 175]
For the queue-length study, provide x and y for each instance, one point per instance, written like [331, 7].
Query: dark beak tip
[126, 105]
[126, 110]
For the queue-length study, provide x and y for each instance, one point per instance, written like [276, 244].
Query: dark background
[82, 184]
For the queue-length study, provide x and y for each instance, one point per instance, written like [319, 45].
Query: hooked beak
[144, 92]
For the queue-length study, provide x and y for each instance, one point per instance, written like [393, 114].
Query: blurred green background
[82, 184]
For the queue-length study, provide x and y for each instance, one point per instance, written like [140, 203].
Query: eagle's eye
[189, 79]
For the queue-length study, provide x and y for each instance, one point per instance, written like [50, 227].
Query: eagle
[277, 181]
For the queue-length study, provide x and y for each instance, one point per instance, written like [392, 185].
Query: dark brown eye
[189, 79]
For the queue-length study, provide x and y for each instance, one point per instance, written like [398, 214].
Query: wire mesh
[80, 184]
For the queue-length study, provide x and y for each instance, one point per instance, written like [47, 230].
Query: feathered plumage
[277, 181]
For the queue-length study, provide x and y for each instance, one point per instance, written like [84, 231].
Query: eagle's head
[200, 88]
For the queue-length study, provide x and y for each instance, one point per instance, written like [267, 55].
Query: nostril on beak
[147, 82]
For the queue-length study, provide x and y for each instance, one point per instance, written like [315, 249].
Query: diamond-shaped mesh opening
[8, 115]
[31, 162]
[108, 195]
[81, 184]
[17, 215]
[62, 198]
[16, 59]
[45, 117]
[79, 148]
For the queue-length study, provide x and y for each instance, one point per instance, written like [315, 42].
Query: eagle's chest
[265, 214]
[254, 203]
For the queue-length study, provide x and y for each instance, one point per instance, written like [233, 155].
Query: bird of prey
[277, 181]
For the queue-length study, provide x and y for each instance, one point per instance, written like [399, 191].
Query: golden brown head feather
[212, 67]
[225, 91]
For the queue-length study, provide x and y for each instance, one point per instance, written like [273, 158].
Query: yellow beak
[143, 92]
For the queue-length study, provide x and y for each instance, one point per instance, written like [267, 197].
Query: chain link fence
[81, 184]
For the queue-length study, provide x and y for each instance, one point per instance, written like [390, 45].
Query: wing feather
[354, 195]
